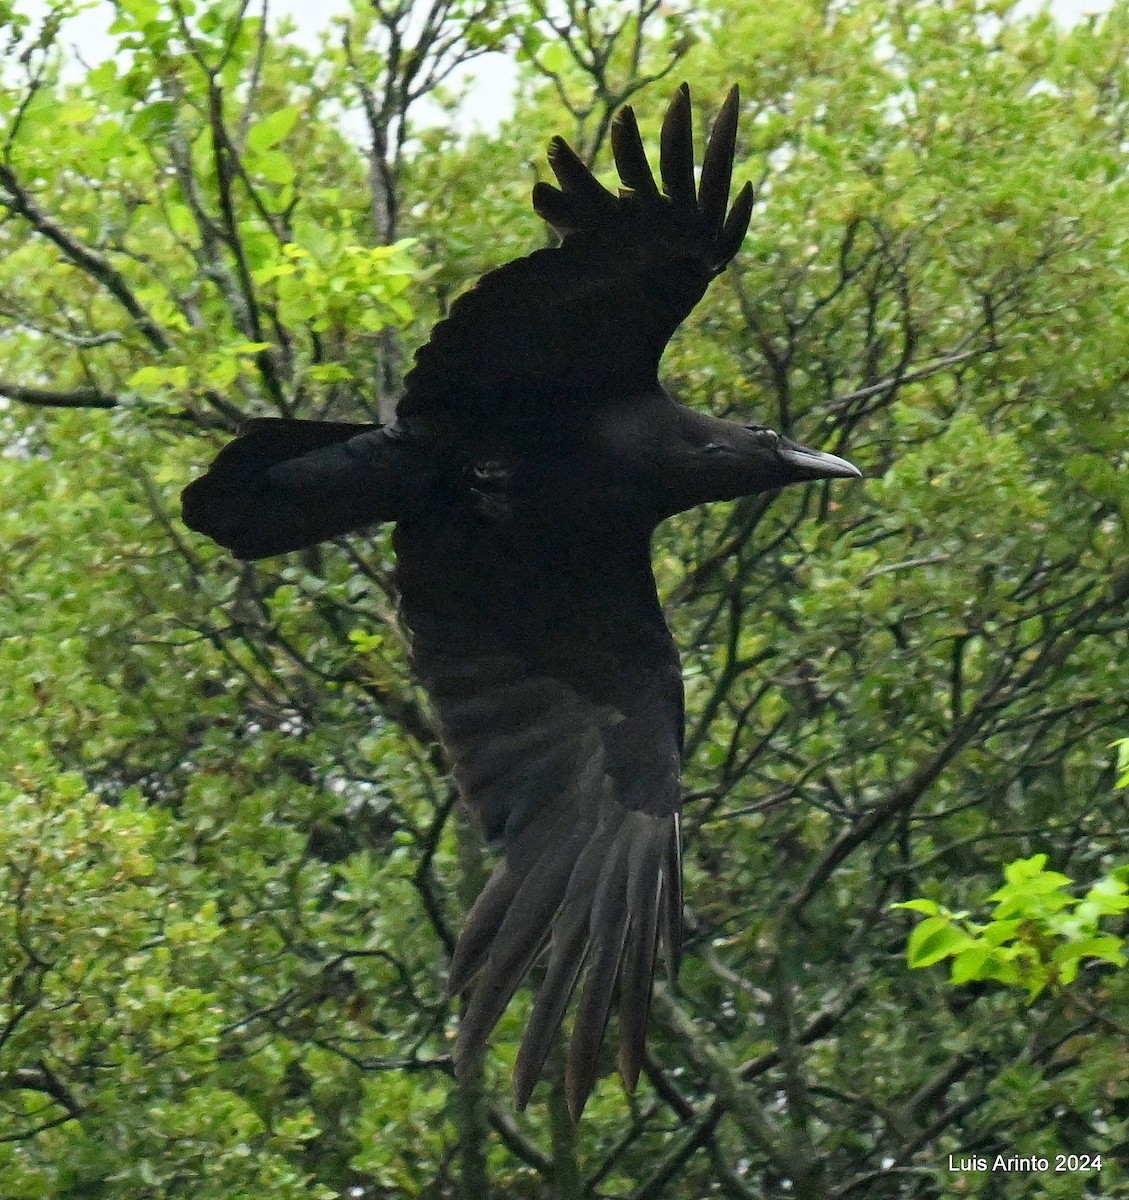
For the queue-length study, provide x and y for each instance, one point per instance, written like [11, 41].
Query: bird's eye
[488, 472]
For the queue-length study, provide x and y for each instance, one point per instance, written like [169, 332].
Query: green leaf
[554, 58]
[329, 372]
[969, 964]
[1122, 745]
[156, 118]
[76, 112]
[934, 939]
[272, 129]
[1022, 869]
[1107, 897]
[273, 166]
[998, 933]
[1106, 947]
[366, 642]
[929, 907]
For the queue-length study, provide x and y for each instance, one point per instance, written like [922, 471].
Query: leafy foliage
[230, 855]
[1037, 935]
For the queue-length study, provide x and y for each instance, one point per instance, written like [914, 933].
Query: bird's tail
[284, 484]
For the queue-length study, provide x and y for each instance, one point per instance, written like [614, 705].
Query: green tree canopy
[230, 856]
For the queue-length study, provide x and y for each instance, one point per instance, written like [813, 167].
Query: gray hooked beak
[817, 463]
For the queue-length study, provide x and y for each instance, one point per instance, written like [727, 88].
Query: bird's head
[759, 460]
[714, 459]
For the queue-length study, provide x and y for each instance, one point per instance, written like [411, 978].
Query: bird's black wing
[559, 702]
[284, 484]
[587, 321]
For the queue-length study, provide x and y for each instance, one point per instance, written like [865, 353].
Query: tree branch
[100, 269]
[82, 397]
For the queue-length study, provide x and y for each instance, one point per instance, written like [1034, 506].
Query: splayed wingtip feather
[630, 157]
[717, 165]
[637, 968]
[736, 226]
[672, 903]
[576, 180]
[676, 152]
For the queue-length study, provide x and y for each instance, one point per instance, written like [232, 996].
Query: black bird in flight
[532, 456]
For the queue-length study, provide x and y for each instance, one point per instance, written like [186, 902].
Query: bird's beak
[817, 465]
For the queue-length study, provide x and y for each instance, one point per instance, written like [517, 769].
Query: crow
[531, 458]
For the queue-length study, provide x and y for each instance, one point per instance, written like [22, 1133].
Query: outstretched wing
[560, 705]
[588, 320]
[284, 484]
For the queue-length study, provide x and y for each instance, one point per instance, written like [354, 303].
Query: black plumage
[532, 456]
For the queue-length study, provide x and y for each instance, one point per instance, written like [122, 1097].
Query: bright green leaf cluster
[332, 284]
[1037, 936]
